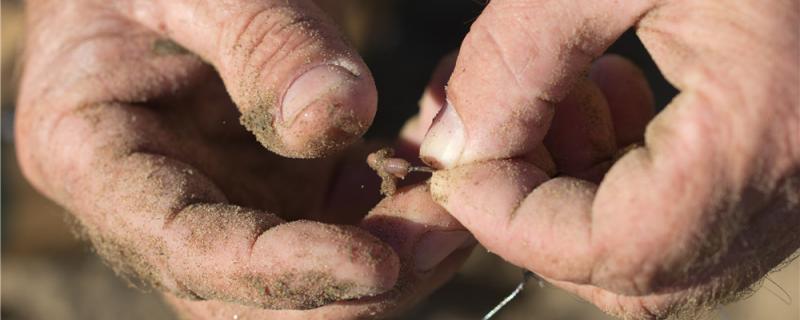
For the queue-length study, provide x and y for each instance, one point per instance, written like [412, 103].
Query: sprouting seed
[390, 169]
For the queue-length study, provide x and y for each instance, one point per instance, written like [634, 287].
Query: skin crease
[140, 139]
[704, 209]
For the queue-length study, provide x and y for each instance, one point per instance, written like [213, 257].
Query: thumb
[519, 58]
[301, 89]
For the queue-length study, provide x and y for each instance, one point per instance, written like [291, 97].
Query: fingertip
[581, 134]
[433, 99]
[323, 110]
[630, 99]
[483, 196]
[506, 82]
[415, 204]
[446, 140]
[425, 235]
[306, 264]
[303, 91]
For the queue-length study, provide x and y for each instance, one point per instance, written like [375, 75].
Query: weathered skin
[139, 137]
[706, 206]
[122, 120]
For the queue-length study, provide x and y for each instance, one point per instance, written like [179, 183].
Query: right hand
[705, 203]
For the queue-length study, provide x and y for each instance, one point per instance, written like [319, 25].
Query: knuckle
[271, 37]
[639, 310]
[491, 46]
[629, 271]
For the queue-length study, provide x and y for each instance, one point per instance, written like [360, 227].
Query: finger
[489, 199]
[431, 244]
[628, 94]
[163, 220]
[129, 179]
[212, 310]
[549, 230]
[518, 59]
[705, 149]
[433, 99]
[421, 232]
[581, 136]
[542, 159]
[357, 180]
[653, 306]
[681, 193]
[301, 89]
[679, 304]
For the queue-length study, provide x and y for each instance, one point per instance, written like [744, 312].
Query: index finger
[680, 213]
[517, 61]
[125, 174]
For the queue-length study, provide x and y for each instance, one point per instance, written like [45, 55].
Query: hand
[139, 138]
[705, 206]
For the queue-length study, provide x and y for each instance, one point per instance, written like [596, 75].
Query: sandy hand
[431, 246]
[123, 121]
[703, 209]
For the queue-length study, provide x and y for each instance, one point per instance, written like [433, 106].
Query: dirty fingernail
[322, 82]
[445, 141]
[435, 246]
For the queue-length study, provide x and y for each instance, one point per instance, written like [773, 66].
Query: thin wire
[786, 298]
[525, 276]
[420, 169]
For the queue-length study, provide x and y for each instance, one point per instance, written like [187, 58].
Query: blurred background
[48, 274]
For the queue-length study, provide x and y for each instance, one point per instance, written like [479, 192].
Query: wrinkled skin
[140, 140]
[704, 204]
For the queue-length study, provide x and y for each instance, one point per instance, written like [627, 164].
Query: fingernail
[322, 82]
[435, 246]
[445, 141]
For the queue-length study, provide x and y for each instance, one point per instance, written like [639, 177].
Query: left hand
[140, 140]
